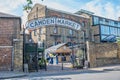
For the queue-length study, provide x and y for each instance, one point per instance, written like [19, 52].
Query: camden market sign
[37, 23]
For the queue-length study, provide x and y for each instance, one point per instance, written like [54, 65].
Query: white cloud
[99, 7]
[103, 8]
[8, 6]
[24, 18]
[59, 6]
[118, 11]
[94, 6]
[109, 10]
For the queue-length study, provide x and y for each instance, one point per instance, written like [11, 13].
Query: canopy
[53, 48]
[63, 49]
[60, 48]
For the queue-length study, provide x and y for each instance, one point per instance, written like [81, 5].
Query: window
[35, 32]
[113, 31]
[118, 24]
[107, 22]
[105, 29]
[118, 31]
[71, 32]
[40, 44]
[41, 31]
[37, 12]
[83, 24]
[102, 21]
[109, 33]
[111, 23]
[95, 20]
[55, 30]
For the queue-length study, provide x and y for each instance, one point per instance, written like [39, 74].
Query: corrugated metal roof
[6, 15]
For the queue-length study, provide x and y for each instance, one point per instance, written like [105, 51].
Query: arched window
[55, 30]
[71, 32]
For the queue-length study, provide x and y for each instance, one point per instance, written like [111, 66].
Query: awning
[53, 48]
[63, 49]
[60, 48]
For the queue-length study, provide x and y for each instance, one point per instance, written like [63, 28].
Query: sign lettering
[33, 24]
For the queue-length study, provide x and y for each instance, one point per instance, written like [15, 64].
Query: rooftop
[6, 15]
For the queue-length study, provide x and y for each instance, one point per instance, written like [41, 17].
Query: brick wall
[5, 58]
[101, 54]
[10, 30]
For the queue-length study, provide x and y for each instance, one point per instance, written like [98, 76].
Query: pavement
[14, 74]
[11, 74]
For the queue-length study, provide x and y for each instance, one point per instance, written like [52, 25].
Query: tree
[28, 6]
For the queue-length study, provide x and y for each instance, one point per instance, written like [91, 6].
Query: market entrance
[58, 57]
[61, 57]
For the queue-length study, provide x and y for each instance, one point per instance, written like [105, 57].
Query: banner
[33, 24]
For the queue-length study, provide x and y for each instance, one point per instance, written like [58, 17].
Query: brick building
[104, 49]
[102, 29]
[99, 34]
[50, 27]
[57, 26]
[10, 42]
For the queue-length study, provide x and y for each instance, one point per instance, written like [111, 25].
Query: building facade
[103, 48]
[10, 42]
[95, 35]
[102, 29]
[55, 26]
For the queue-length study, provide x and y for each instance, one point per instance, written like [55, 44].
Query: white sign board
[33, 24]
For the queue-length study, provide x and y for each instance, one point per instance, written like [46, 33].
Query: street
[106, 74]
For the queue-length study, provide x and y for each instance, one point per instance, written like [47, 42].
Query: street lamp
[72, 56]
[84, 44]
[25, 65]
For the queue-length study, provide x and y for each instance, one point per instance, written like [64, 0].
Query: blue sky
[105, 8]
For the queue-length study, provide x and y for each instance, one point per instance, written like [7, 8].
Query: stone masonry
[101, 54]
[10, 43]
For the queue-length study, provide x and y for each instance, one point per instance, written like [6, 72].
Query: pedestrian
[56, 58]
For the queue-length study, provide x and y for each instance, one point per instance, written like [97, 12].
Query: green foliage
[28, 6]
[118, 40]
[42, 61]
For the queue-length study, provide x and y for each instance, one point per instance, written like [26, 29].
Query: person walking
[56, 59]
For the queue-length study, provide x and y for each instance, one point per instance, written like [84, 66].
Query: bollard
[86, 64]
[26, 68]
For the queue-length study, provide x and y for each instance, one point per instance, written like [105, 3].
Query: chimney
[118, 18]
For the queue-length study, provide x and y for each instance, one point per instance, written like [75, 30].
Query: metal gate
[30, 56]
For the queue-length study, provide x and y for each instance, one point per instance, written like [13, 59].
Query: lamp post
[25, 65]
[73, 56]
[44, 55]
[84, 54]
[24, 49]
